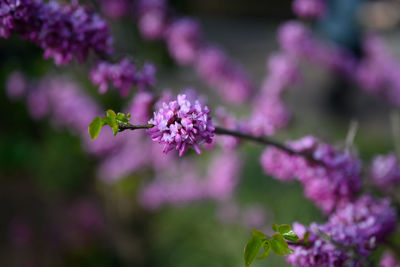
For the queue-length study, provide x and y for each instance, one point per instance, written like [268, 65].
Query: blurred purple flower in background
[115, 8]
[309, 8]
[152, 18]
[389, 260]
[123, 76]
[16, 86]
[62, 31]
[385, 171]
[330, 185]
[184, 38]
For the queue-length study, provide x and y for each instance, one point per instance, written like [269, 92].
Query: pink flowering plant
[358, 200]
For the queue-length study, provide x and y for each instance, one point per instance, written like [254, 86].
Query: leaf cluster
[111, 119]
[260, 245]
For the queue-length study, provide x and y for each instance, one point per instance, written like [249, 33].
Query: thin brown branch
[268, 142]
[244, 136]
[123, 127]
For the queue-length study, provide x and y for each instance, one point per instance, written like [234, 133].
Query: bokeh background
[56, 212]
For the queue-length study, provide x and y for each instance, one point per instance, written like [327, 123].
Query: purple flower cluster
[181, 124]
[187, 46]
[385, 171]
[218, 71]
[330, 184]
[296, 39]
[63, 31]
[180, 182]
[184, 39]
[178, 185]
[269, 112]
[123, 76]
[309, 8]
[378, 72]
[357, 227]
[67, 107]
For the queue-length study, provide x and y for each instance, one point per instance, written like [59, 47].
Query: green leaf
[95, 127]
[258, 233]
[291, 236]
[252, 249]
[111, 120]
[267, 250]
[115, 129]
[121, 118]
[288, 233]
[284, 228]
[279, 245]
[275, 227]
[111, 113]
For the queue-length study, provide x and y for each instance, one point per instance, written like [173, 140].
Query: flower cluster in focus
[181, 124]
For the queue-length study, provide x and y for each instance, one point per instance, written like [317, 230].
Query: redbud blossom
[181, 124]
